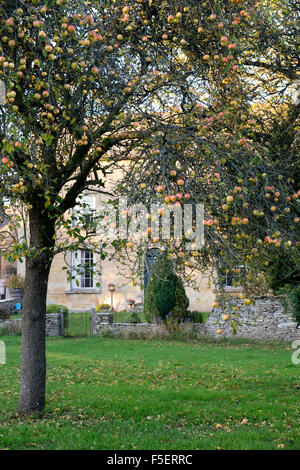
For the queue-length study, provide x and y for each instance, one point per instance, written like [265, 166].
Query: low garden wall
[265, 319]
[54, 325]
[12, 326]
[98, 320]
[103, 322]
[141, 329]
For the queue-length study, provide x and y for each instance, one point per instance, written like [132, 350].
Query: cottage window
[231, 279]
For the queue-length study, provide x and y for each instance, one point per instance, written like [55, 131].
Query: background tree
[169, 86]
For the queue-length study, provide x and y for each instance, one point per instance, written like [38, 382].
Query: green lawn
[125, 394]
[122, 317]
[77, 324]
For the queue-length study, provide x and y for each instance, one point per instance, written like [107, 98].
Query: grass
[124, 394]
[122, 317]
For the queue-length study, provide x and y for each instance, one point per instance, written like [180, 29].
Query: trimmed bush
[4, 331]
[165, 293]
[56, 308]
[102, 308]
[294, 298]
[4, 314]
[134, 318]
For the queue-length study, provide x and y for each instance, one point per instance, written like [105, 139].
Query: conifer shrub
[165, 293]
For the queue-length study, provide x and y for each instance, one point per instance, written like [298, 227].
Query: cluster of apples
[19, 187]
[8, 163]
[173, 198]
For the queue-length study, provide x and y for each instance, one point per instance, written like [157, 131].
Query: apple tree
[180, 91]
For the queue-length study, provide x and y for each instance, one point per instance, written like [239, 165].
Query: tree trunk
[33, 356]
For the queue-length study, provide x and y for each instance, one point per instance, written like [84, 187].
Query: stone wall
[103, 322]
[127, 328]
[265, 319]
[54, 325]
[98, 319]
[13, 326]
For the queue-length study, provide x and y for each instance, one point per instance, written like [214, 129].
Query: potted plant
[15, 283]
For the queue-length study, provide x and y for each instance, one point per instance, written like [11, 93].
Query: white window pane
[82, 264]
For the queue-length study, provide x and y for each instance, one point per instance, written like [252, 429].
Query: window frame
[223, 283]
[82, 277]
